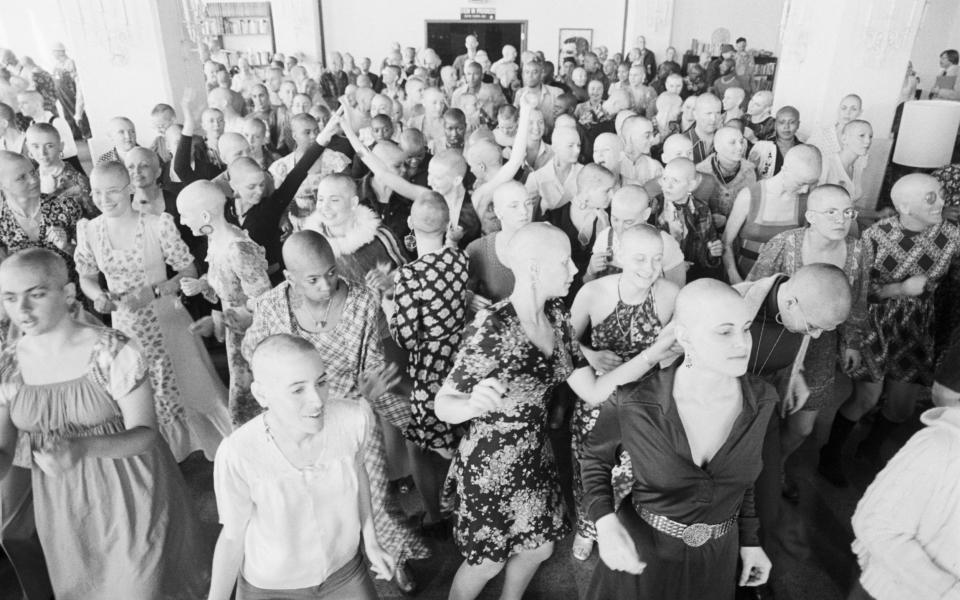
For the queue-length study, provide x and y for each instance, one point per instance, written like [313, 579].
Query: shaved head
[704, 302]
[681, 168]
[641, 234]
[202, 195]
[607, 151]
[232, 145]
[306, 249]
[913, 187]
[825, 194]
[277, 350]
[677, 146]
[483, 151]
[430, 214]
[533, 243]
[803, 162]
[141, 153]
[37, 260]
[823, 292]
[788, 110]
[243, 167]
[630, 199]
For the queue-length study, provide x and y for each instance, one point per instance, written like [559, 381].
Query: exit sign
[478, 14]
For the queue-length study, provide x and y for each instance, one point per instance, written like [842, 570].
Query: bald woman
[113, 513]
[123, 135]
[28, 222]
[521, 349]
[909, 254]
[684, 428]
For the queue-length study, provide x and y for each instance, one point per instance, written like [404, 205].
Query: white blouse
[907, 524]
[301, 524]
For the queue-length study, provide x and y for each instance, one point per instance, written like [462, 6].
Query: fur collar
[365, 225]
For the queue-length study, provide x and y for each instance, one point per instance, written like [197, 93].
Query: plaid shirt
[354, 346]
[699, 231]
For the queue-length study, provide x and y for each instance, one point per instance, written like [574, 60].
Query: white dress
[190, 399]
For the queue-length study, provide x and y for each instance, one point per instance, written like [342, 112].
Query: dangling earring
[687, 361]
[410, 242]
[206, 229]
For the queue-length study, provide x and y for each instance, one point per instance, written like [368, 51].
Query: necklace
[322, 322]
[616, 312]
[757, 371]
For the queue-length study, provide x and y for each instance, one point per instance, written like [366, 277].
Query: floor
[814, 559]
[813, 562]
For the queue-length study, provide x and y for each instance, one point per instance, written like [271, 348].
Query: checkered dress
[899, 345]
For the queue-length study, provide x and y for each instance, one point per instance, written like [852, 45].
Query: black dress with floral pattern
[503, 487]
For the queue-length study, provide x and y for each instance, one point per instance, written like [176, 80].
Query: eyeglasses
[807, 328]
[847, 214]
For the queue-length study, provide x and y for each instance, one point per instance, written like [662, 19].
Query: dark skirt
[674, 570]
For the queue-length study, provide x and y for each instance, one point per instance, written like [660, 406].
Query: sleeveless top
[629, 329]
[755, 233]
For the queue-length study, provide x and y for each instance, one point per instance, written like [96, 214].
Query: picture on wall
[574, 42]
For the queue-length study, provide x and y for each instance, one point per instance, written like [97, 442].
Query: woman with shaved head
[113, 514]
[503, 484]
[694, 434]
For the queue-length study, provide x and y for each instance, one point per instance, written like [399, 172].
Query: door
[446, 37]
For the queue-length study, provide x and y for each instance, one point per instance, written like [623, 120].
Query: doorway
[446, 37]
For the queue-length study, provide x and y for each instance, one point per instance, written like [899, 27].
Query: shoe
[403, 579]
[830, 469]
[582, 548]
[789, 489]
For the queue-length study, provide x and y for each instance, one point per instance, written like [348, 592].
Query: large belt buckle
[696, 535]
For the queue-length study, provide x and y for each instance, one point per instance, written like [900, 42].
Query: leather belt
[694, 535]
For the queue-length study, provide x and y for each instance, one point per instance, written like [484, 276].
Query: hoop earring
[410, 242]
[206, 229]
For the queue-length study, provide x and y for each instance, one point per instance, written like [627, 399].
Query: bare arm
[8, 440]
[387, 177]
[517, 154]
[735, 222]
[227, 560]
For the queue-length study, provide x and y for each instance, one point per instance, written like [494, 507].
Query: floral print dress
[237, 275]
[627, 331]
[181, 373]
[428, 321]
[503, 487]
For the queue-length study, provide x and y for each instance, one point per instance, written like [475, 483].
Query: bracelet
[156, 291]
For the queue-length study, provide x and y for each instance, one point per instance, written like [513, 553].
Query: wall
[939, 30]
[368, 27]
[757, 20]
[129, 57]
[296, 27]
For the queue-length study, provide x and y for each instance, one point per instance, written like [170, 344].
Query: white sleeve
[66, 136]
[672, 253]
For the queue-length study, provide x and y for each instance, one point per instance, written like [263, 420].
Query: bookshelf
[242, 29]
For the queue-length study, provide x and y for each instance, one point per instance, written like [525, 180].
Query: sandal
[582, 548]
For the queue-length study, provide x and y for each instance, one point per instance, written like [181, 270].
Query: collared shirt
[642, 419]
[641, 171]
[546, 96]
[553, 192]
[299, 524]
[701, 148]
[698, 231]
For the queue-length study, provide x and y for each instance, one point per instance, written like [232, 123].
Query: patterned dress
[503, 487]
[71, 183]
[110, 528]
[427, 322]
[353, 345]
[188, 396]
[627, 331]
[65, 77]
[238, 274]
[899, 345]
[56, 212]
[784, 254]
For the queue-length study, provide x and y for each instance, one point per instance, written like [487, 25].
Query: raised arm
[380, 170]
[517, 154]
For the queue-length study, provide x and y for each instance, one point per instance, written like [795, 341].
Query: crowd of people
[415, 273]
